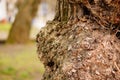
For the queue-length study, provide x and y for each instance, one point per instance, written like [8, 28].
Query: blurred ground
[20, 62]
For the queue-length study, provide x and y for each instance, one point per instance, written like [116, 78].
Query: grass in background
[20, 63]
[5, 26]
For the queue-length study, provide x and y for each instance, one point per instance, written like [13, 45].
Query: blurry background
[18, 56]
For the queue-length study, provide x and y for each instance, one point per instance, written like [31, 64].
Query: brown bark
[82, 43]
[20, 30]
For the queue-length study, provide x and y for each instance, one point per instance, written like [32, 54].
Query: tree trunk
[82, 42]
[20, 30]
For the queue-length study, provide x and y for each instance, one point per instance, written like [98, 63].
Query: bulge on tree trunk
[82, 42]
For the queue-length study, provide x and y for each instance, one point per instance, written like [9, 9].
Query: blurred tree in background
[20, 30]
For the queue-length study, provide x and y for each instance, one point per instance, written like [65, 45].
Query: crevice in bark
[86, 11]
[91, 1]
[67, 10]
[118, 34]
[50, 64]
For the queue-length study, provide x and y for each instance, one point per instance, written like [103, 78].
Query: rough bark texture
[20, 30]
[85, 45]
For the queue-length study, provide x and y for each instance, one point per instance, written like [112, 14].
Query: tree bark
[82, 42]
[20, 30]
